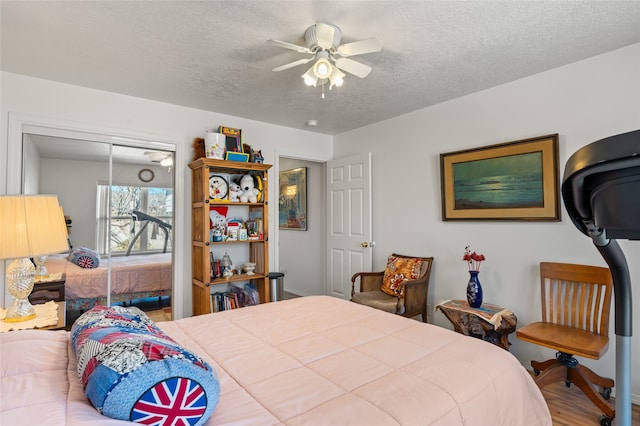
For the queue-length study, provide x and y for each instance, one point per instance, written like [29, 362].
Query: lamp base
[20, 274]
[19, 311]
[41, 269]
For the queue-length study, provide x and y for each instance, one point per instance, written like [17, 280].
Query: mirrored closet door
[118, 203]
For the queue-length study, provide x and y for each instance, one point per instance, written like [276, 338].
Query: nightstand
[43, 291]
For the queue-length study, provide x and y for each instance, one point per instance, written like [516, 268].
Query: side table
[491, 323]
[43, 291]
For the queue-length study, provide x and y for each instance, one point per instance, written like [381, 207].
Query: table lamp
[30, 226]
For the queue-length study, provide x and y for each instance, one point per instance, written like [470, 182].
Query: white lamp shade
[31, 225]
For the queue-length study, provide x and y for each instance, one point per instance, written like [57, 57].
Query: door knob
[366, 244]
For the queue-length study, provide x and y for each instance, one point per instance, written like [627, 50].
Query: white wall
[90, 108]
[583, 102]
[302, 253]
[32, 170]
[75, 184]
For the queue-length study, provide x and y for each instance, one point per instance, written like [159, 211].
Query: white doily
[46, 314]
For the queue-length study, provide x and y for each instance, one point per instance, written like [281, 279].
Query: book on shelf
[233, 299]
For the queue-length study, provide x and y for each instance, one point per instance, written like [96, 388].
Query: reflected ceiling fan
[164, 158]
[331, 58]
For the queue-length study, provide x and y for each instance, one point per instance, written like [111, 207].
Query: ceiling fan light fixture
[310, 78]
[336, 78]
[167, 161]
[322, 68]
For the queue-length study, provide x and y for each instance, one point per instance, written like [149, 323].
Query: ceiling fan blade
[353, 67]
[293, 64]
[368, 45]
[324, 35]
[301, 49]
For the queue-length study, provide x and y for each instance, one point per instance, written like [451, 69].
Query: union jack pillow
[84, 257]
[131, 370]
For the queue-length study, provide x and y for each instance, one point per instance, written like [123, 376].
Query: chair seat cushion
[565, 339]
[379, 300]
[399, 270]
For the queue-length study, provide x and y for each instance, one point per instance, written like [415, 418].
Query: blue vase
[474, 290]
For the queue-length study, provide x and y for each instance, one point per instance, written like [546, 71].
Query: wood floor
[159, 315]
[570, 407]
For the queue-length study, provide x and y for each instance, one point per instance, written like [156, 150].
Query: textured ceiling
[212, 55]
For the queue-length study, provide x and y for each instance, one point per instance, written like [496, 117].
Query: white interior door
[349, 236]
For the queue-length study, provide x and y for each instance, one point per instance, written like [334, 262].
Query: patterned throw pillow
[131, 370]
[399, 270]
[84, 257]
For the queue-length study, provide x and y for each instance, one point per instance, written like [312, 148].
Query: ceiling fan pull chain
[323, 88]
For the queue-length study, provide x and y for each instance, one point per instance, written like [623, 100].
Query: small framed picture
[242, 234]
[237, 156]
[232, 231]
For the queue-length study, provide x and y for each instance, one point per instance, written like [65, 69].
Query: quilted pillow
[84, 257]
[131, 370]
[399, 270]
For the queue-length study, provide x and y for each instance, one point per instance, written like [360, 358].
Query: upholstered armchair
[402, 288]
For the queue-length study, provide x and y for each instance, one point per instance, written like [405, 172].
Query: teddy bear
[249, 191]
[198, 148]
[234, 192]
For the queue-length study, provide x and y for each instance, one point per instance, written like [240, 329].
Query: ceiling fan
[164, 158]
[331, 58]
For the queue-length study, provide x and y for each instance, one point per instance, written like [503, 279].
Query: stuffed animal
[217, 220]
[249, 190]
[198, 148]
[235, 191]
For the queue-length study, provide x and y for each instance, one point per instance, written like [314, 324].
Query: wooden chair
[416, 291]
[576, 300]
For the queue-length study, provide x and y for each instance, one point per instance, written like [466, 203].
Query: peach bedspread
[129, 274]
[307, 361]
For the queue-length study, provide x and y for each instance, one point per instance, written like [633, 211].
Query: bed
[132, 277]
[306, 361]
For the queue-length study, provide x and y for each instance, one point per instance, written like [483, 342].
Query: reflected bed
[132, 277]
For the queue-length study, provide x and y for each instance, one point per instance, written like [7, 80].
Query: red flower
[473, 259]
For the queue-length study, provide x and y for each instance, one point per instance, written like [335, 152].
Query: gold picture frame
[510, 181]
[292, 209]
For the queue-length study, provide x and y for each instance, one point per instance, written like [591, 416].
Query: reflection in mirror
[118, 202]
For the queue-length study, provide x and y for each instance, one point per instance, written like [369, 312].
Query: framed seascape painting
[292, 205]
[510, 181]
